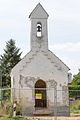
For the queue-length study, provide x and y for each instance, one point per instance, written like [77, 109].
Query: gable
[38, 12]
[46, 56]
[39, 64]
[44, 67]
[46, 61]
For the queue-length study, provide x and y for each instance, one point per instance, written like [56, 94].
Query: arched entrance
[40, 94]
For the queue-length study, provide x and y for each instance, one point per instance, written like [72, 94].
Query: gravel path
[52, 118]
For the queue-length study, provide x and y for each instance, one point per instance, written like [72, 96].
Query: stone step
[42, 112]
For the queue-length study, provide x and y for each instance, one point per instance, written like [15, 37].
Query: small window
[39, 29]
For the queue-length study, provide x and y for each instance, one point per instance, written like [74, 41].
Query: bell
[39, 29]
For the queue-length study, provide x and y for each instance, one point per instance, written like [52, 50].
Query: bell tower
[39, 32]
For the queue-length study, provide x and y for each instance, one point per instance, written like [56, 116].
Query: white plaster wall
[41, 67]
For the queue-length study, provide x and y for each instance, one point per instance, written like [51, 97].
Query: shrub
[74, 106]
[74, 91]
[6, 94]
[10, 111]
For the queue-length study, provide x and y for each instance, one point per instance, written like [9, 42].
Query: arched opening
[40, 94]
[39, 29]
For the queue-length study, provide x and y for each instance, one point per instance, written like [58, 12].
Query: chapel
[40, 80]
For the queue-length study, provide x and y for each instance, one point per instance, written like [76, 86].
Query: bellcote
[39, 33]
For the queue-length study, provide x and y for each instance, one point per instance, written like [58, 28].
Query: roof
[36, 10]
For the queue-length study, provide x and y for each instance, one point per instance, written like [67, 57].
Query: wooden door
[40, 94]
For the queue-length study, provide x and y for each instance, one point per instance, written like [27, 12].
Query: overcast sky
[63, 27]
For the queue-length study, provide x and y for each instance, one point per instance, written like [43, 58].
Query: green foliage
[8, 60]
[5, 95]
[6, 108]
[74, 91]
[76, 79]
[18, 109]
[10, 110]
[75, 106]
[13, 118]
[17, 118]
[74, 87]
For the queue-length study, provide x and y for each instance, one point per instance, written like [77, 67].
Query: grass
[75, 106]
[6, 108]
[14, 118]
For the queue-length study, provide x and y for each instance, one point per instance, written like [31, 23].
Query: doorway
[40, 94]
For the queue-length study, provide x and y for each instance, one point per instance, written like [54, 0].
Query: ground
[15, 118]
[53, 118]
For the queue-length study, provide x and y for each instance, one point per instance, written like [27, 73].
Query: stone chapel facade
[40, 79]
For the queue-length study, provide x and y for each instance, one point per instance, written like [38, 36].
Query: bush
[10, 111]
[5, 94]
[7, 108]
[74, 106]
[74, 91]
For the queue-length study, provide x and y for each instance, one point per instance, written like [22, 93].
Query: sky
[63, 27]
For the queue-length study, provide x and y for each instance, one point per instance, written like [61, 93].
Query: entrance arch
[40, 94]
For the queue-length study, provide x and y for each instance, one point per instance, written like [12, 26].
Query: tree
[76, 79]
[8, 60]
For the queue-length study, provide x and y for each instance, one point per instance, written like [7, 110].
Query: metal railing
[39, 101]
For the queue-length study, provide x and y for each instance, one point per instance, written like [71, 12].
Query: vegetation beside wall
[74, 91]
[14, 118]
[6, 109]
[8, 60]
[75, 106]
[76, 79]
